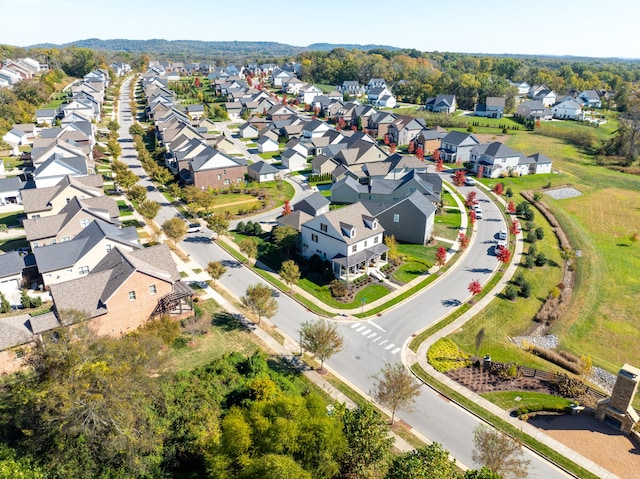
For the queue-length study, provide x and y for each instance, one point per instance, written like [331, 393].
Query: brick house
[214, 169]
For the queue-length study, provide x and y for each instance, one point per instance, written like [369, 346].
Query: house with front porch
[493, 107]
[455, 147]
[568, 109]
[350, 238]
[493, 160]
[441, 104]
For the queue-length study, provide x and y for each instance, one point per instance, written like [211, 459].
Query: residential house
[523, 87]
[195, 112]
[455, 147]
[590, 99]
[405, 129]
[441, 104]
[49, 201]
[124, 291]
[351, 88]
[493, 160]
[234, 110]
[568, 109]
[279, 77]
[350, 190]
[322, 165]
[378, 123]
[307, 93]
[533, 110]
[350, 238]
[314, 205]
[539, 164]
[430, 139]
[56, 167]
[493, 107]
[546, 97]
[15, 138]
[120, 69]
[295, 219]
[293, 160]
[247, 130]
[11, 268]
[47, 116]
[292, 86]
[10, 190]
[376, 83]
[213, 169]
[394, 167]
[314, 129]
[221, 143]
[381, 96]
[262, 171]
[267, 144]
[535, 89]
[409, 219]
[76, 215]
[69, 260]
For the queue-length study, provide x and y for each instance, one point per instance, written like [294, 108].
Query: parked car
[194, 228]
[469, 181]
[501, 245]
[478, 211]
[502, 235]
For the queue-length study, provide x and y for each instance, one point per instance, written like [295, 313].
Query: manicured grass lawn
[53, 104]
[447, 199]
[409, 271]
[13, 244]
[534, 401]
[371, 292]
[447, 224]
[417, 252]
[11, 219]
[124, 208]
[238, 208]
[272, 155]
[11, 162]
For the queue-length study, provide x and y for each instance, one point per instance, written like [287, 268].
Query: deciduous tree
[441, 256]
[395, 388]
[503, 254]
[500, 453]
[498, 189]
[285, 237]
[218, 223]
[149, 209]
[459, 178]
[286, 209]
[248, 247]
[471, 199]
[511, 208]
[463, 239]
[474, 287]
[321, 338]
[427, 462]
[290, 273]
[260, 301]
[216, 269]
[174, 228]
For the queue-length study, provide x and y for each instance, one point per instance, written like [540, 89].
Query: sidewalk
[287, 349]
[350, 312]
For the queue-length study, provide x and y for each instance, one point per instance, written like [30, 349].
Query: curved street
[368, 345]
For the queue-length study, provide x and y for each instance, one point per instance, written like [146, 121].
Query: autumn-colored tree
[284, 99]
[498, 189]
[354, 128]
[411, 147]
[392, 148]
[514, 228]
[441, 256]
[290, 273]
[472, 217]
[439, 164]
[216, 269]
[386, 139]
[307, 107]
[218, 223]
[511, 208]
[197, 83]
[420, 153]
[174, 228]
[459, 177]
[259, 300]
[500, 453]
[248, 247]
[395, 388]
[463, 239]
[471, 199]
[480, 172]
[436, 155]
[503, 254]
[149, 209]
[474, 287]
[286, 209]
[321, 338]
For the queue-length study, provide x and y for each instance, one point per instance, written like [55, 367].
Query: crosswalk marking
[365, 332]
[360, 327]
[355, 325]
[395, 350]
[372, 335]
[385, 341]
[377, 339]
[389, 346]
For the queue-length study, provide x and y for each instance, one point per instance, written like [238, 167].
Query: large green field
[602, 320]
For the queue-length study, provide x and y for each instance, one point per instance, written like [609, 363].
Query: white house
[381, 96]
[293, 160]
[349, 237]
[262, 171]
[493, 160]
[267, 144]
[567, 110]
[308, 93]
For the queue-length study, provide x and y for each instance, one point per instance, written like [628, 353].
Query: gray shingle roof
[312, 203]
[13, 183]
[263, 168]
[343, 219]
[11, 263]
[458, 137]
[494, 150]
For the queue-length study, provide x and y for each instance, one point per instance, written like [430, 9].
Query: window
[365, 243]
[35, 244]
[219, 177]
[152, 289]
[239, 180]
[108, 247]
[83, 270]
[226, 181]
[323, 227]
[224, 172]
[53, 241]
[314, 237]
[375, 240]
[35, 217]
[84, 222]
[132, 295]
[354, 248]
[65, 238]
[396, 218]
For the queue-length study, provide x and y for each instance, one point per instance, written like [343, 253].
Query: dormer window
[352, 233]
[323, 227]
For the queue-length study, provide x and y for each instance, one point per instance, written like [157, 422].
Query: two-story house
[441, 104]
[350, 238]
[455, 147]
[496, 159]
[493, 107]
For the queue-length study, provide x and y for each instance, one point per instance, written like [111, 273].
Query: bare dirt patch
[488, 137]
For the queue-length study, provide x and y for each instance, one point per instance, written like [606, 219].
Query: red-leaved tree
[471, 199]
[420, 153]
[439, 164]
[307, 107]
[284, 99]
[503, 254]
[514, 228]
[463, 239]
[441, 256]
[498, 189]
[411, 147]
[386, 139]
[392, 148]
[286, 209]
[474, 287]
[511, 208]
[472, 217]
[480, 172]
[459, 177]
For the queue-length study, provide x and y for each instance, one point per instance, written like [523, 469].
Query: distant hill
[202, 49]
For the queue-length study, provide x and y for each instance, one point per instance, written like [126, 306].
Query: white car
[502, 235]
[194, 228]
[478, 211]
[470, 181]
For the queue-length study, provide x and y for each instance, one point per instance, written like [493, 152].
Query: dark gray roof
[11, 263]
[457, 137]
[75, 163]
[61, 255]
[312, 203]
[495, 101]
[13, 183]
[540, 158]
[494, 150]
[295, 219]
[263, 168]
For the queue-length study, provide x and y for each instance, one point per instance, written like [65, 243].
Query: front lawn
[447, 224]
[409, 270]
[533, 401]
[11, 219]
[13, 244]
[369, 293]
[420, 253]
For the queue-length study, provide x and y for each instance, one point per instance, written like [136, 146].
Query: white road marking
[355, 325]
[395, 351]
[377, 339]
[372, 335]
[376, 326]
[360, 327]
[389, 346]
[385, 341]
[365, 331]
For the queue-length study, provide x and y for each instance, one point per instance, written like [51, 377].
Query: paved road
[370, 344]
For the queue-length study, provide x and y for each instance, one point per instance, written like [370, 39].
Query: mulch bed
[479, 380]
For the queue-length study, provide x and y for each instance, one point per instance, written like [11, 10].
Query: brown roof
[39, 199]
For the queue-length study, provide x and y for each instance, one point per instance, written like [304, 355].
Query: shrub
[557, 359]
[338, 289]
[241, 227]
[528, 261]
[511, 292]
[525, 290]
[519, 280]
[529, 215]
[539, 233]
[248, 229]
[529, 225]
[509, 193]
[541, 259]
[257, 229]
[531, 237]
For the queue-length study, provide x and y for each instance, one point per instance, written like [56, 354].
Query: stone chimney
[617, 410]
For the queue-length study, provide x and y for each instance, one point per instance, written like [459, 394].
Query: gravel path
[563, 193]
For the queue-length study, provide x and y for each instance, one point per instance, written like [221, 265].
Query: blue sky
[560, 27]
